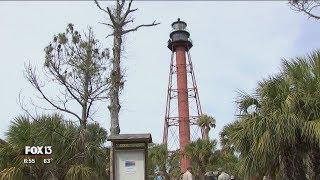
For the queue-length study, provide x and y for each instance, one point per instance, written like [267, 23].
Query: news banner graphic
[33, 153]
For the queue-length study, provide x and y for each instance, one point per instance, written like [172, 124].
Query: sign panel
[130, 164]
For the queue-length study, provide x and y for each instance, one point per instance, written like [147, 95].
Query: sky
[236, 44]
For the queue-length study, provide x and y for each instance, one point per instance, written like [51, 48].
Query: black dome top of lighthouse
[179, 25]
[179, 36]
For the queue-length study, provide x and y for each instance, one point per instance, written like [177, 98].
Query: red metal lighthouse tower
[183, 105]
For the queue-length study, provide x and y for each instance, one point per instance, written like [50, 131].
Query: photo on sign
[130, 166]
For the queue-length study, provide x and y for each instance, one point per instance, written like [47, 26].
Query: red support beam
[183, 105]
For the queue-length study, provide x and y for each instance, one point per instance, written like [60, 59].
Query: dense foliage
[64, 137]
[204, 156]
[277, 132]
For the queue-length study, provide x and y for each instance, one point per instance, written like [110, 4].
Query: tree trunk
[115, 77]
[292, 163]
[114, 107]
[286, 162]
[84, 113]
[202, 132]
[272, 175]
[254, 178]
[299, 171]
[314, 155]
[298, 164]
[206, 133]
[271, 172]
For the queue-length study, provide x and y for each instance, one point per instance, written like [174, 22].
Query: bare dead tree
[78, 65]
[119, 18]
[308, 7]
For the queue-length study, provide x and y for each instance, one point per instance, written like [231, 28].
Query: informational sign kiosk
[130, 156]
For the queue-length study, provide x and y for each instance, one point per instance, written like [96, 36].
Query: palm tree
[225, 159]
[206, 123]
[165, 162]
[64, 137]
[173, 164]
[267, 132]
[200, 153]
[303, 74]
[280, 122]
[239, 136]
[157, 159]
[281, 128]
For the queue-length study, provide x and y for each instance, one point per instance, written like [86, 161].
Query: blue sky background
[236, 44]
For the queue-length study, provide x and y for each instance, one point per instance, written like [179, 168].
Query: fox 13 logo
[35, 152]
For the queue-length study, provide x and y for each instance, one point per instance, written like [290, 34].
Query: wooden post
[111, 162]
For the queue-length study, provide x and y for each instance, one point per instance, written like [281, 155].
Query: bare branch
[109, 35]
[107, 24]
[97, 3]
[310, 14]
[108, 11]
[23, 106]
[128, 11]
[142, 25]
[40, 107]
[89, 108]
[112, 18]
[306, 7]
[128, 21]
[122, 3]
[56, 72]
[133, 10]
[32, 78]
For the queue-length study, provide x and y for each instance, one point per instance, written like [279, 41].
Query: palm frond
[80, 172]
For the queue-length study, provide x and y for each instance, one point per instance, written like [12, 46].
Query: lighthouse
[183, 92]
